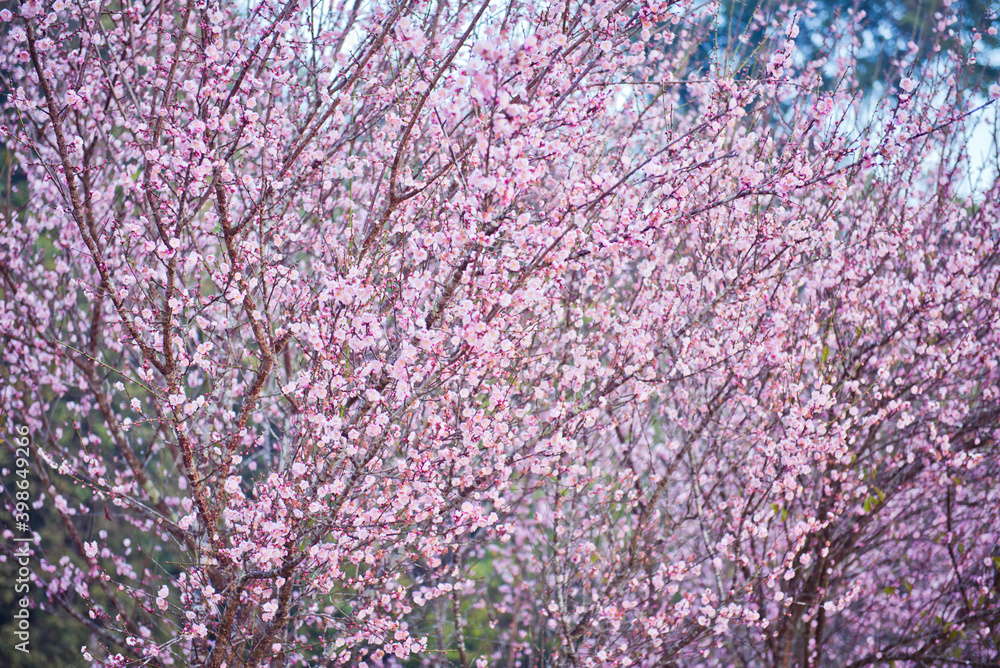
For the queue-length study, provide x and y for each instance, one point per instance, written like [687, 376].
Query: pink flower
[30, 9]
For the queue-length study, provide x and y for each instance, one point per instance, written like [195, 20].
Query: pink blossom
[426, 329]
[29, 9]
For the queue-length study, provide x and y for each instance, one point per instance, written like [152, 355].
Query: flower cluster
[509, 330]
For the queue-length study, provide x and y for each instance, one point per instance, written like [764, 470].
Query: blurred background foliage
[889, 30]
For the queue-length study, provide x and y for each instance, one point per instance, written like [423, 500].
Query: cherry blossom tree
[440, 332]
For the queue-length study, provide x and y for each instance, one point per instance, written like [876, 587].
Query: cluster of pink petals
[506, 331]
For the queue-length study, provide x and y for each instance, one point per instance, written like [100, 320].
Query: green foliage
[55, 638]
